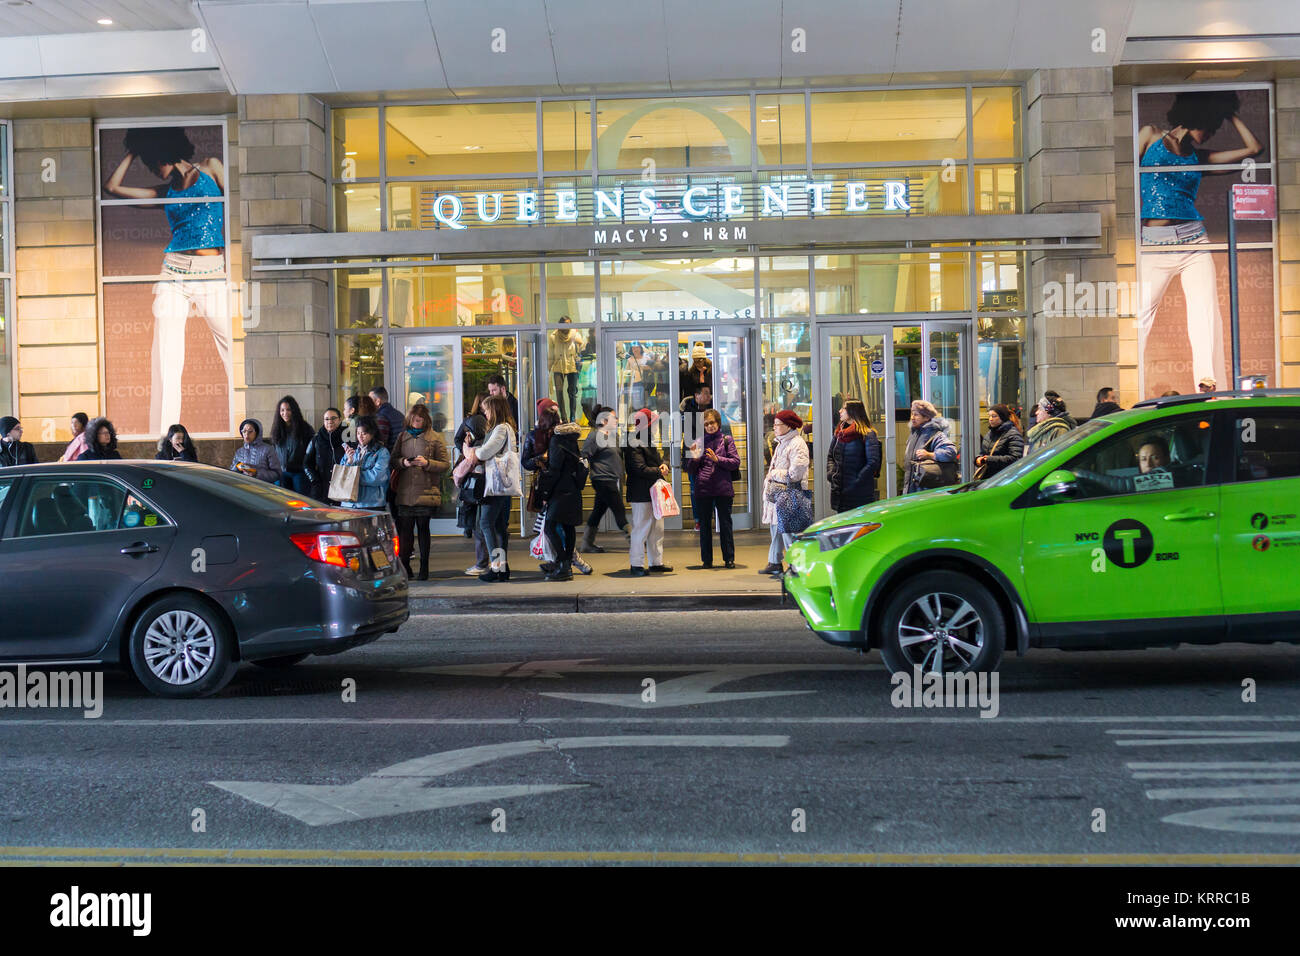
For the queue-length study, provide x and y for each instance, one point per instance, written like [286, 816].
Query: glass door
[446, 373]
[887, 366]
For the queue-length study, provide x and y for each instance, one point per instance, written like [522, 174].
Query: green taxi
[1177, 521]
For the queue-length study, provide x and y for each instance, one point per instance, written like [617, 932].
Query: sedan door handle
[139, 548]
[1191, 516]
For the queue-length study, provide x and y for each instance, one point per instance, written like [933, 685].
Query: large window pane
[462, 139]
[356, 208]
[570, 378]
[783, 286]
[358, 299]
[356, 143]
[782, 131]
[696, 290]
[1001, 361]
[464, 295]
[997, 189]
[673, 133]
[6, 370]
[787, 380]
[996, 122]
[909, 191]
[469, 205]
[904, 282]
[360, 365]
[888, 126]
[1001, 280]
[566, 135]
[571, 291]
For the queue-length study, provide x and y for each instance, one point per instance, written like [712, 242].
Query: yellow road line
[17, 855]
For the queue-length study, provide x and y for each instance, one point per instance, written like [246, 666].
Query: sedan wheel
[180, 647]
[942, 621]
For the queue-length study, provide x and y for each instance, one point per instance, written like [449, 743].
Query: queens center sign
[661, 203]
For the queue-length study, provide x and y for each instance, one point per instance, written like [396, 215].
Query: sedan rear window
[253, 493]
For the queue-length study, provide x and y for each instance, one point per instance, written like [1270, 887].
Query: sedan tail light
[329, 547]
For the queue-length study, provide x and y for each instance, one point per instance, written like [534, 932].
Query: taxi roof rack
[1166, 401]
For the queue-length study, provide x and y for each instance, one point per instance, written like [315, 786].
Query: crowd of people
[401, 462]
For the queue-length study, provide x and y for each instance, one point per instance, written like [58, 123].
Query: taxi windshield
[1039, 455]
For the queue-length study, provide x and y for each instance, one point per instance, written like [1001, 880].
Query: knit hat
[251, 421]
[926, 410]
[646, 416]
[699, 352]
[544, 403]
[7, 424]
[789, 418]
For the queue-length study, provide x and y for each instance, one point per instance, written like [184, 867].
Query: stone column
[284, 170]
[1288, 179]
[57, 323]
[1070, 151]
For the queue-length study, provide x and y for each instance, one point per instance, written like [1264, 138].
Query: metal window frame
[8, 268]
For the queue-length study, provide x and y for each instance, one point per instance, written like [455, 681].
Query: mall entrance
[652, 367]
[446, 372]
[887, 365]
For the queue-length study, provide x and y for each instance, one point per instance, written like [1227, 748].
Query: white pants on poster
[1195, 270]
[181, 289]
[647, 535]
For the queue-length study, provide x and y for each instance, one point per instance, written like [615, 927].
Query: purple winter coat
[713, 478]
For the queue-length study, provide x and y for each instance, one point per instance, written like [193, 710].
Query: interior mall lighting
[104, 22]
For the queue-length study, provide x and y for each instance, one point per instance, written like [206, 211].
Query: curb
[601, 603]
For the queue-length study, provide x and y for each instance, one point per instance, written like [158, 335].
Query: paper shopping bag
[345, 483]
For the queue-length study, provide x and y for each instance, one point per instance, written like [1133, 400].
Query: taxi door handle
[139, 548]
[1191, 516]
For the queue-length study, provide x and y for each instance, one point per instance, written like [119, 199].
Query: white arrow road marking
[402, 788]
[1242, 819]
[676, 692]
[1161, 738]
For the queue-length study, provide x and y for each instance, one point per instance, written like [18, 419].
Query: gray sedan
[180, 571]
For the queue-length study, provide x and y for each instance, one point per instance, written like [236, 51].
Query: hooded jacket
[560, 482]
[167, 453]
[324, 452]
[260, 454]
[852, 467]
[1047, 431]
[936, 436]
[94, 451]
[419, 487]
[713, 478]
[373, 459]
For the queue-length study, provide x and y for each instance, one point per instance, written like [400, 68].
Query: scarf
[417, 432]
[847, 433]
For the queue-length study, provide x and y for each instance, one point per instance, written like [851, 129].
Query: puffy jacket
[420, 486]
[852, 468]
[642, 463]
[787, 469]
[1047, 431]
[95, 453]
[1002, 446]
[559, 482]
[324, 452]
[713, 478]
[374, 475]
[260, 454]
[933, 436]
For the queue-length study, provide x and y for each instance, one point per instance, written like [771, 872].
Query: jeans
[1204, 322]
[779, 543]
[295, 481]
[647, 535]
[572, 382]
[704, 510]
[494, 523]
[608, 498]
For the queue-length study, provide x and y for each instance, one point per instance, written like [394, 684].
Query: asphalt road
[753, 720]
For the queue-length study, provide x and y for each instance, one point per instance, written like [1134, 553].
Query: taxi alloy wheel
[942, 621]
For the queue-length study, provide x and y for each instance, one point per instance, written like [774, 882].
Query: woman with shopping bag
[498, 459]
[646, 469]
[369, 456]
[787, 507]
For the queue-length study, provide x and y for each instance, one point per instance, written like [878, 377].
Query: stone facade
[284, 172]
[1287, 166]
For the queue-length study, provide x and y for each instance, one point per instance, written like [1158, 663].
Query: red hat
[789, 418]
[544, 403]
[647, 415]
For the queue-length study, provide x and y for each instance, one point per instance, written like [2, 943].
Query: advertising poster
[168, 325]
[1191, 145]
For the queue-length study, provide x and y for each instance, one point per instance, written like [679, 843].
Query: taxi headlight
[839, 537]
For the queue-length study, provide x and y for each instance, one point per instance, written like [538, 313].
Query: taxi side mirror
[1060, 485]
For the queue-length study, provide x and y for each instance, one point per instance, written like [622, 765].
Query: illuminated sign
[675, 203]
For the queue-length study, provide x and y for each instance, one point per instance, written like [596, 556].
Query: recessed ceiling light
[767, 121]
[104, 22]
[351, 152]
[473, 147]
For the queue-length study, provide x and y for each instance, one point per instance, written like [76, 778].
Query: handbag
[662, 502]
[345, 483]
[536, 500]
[793, 511]
[502, 472]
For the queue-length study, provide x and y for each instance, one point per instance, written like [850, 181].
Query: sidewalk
[610, 586]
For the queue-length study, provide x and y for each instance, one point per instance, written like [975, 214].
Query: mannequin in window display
[193, 273]
[1170, 219]
[640, 376]
[564, 350]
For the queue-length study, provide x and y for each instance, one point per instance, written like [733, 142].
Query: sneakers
[581, 565]
[476, 570]
[772, 569]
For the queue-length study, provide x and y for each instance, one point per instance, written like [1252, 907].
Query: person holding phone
[711, 459]
[256, 457]
[420, 460]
